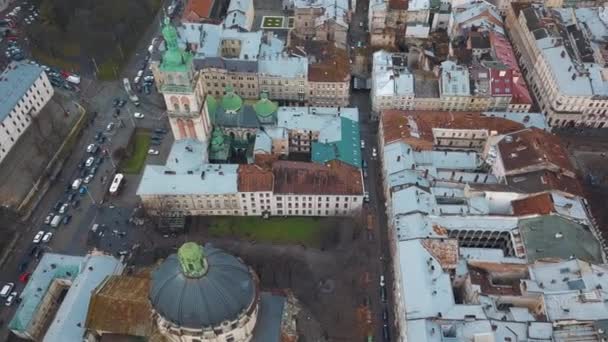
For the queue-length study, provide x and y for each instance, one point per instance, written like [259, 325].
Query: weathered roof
[224, 293]
[542, 180]
[534, 148]
[540, 204]
[197, 9]
[254, 178]
[347, 149]
[552, 236]
[328, 62]
[120, 305]
[334, 178]
[15, 80]
[416, 127]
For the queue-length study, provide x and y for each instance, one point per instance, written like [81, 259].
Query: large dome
[201, 287]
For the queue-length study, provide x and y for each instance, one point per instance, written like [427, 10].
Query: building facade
[565, 70]
[25, 90]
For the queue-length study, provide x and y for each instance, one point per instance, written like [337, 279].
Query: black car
[23, 265]
[98, 135]
[102, 139]
[385, 315]
[147, 89]
[34, 250]
[81, 165]
[116, 102]
[83, 173]
[160, 131]
[98, 161]
[66, 219]
[76, 204]
[58, 205]
[383, 294]
[155, 142]
[117, 112]
[93, 170]
[71, 197]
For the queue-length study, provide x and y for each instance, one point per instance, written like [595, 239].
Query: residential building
[478, 255]
[41, 315]
[239, 15]
[25, 90]
[328, 75]
[563, 58]
[322, 20]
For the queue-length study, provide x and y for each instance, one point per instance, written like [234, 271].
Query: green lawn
[275, 230]
[272, 22]
[138, 153]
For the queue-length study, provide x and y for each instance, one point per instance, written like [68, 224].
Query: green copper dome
[217, 140]
[264, 107]
[174, 59]
[231, 101]
[192, 260]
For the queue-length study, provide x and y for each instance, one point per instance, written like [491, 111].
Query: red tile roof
[533, 150]
[539, 204]
[504, 52]
[334, 178]
[396, 125]
[196, 10]
[253, 178]
[501, 82]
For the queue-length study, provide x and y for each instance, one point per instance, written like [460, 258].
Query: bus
[116, 184]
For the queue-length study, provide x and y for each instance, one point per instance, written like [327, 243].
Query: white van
[56, 221]
[95, 227]
[6, 290]
[77, 183]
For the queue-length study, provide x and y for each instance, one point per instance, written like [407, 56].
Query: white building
[25, 90]
[566, 69]
[462, 237]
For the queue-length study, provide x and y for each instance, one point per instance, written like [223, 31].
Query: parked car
[90, 161]
[11, 298]
[76, 204]
[98, 136]
[110, 126]
[92, 148]
[153, 152]
[58, 205]
[38, 236]
[70, 197]
[47, 237]
[6, 289]
[64, 208]
[366, 197]
[138, 115]
[67, 219]
[155, 142]
[122, 103]
[374, 153]
[362, 143]
[160, 131]
[116, 102]
[48, 218]
[88, 179]
[93, 170]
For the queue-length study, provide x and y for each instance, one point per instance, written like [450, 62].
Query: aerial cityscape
[303, 170]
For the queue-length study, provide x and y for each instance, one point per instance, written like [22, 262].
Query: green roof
[231, 101]
[553, 236]
[174, 59]
[192, 260]
[347, 150]
[217, 140]
[264, 107]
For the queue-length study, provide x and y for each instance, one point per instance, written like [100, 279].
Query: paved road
[118, 234]
[380, 261]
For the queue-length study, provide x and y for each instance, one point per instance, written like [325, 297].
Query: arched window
[176, 106]
[186, 107]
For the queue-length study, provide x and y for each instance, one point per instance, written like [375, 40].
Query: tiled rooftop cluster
[478, 257]
[335, 160]
[481, 72]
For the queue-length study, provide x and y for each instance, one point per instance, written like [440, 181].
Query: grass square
[272, 22]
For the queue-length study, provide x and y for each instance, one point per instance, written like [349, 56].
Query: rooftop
[534, 149]
[196, 10]
[390, 80]
[454, 80]
[416, 127]
[254, 178]
[552, 236]
[121, 305]
[83, 274]
[334, 178]
[186, 173]
[328, 63]
[15, 80]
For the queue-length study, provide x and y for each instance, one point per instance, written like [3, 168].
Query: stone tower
[183, 96]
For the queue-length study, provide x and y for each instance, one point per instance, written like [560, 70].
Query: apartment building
[322, 20]
[476, 207]
[563, 58]
[328, 75]
[25, 90]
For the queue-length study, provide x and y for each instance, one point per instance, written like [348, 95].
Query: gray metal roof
[15, 80]
[225, 291]
[268, 326]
